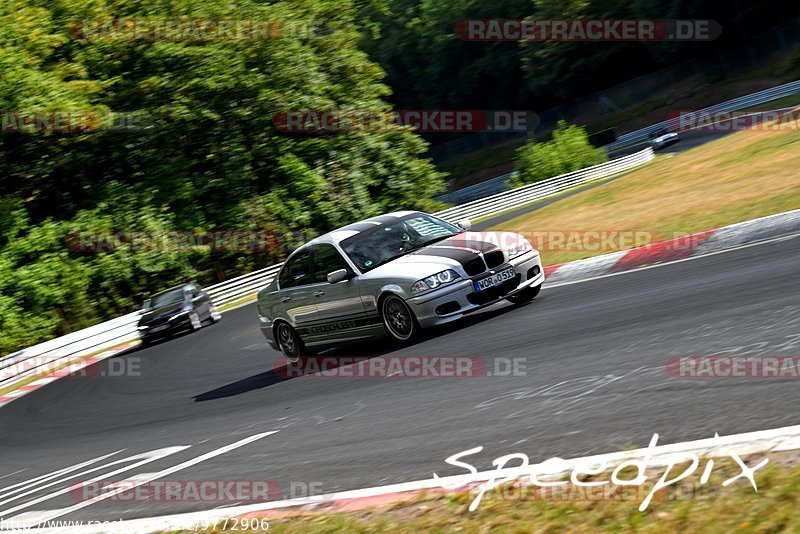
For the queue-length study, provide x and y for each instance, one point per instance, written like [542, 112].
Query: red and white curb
[70, 368]
[760, 442]
[681, 248]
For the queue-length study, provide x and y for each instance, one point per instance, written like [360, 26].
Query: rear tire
[526, 295]
[398, 319]
[289, 342]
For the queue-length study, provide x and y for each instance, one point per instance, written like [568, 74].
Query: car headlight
[143, 327]
[520, 247]
[436, 280]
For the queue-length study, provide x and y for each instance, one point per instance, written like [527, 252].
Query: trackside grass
[742, 176]
[714, 509]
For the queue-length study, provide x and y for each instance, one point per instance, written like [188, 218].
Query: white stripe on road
[139, 480]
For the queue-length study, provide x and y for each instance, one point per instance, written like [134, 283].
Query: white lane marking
[146, 458]
[143, 479]
[22, 486]
[637, 269]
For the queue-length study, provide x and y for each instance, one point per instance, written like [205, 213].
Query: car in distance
[179, 308]
[392, 275]
[663, 138]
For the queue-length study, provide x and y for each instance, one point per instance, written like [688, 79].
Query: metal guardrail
[52, 354]
[522, 195]
[477, 191]
[735, 104]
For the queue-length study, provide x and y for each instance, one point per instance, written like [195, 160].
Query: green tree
[207, 155]
[568, 150]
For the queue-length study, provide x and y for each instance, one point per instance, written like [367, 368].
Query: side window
[327, 259]
[297, 271]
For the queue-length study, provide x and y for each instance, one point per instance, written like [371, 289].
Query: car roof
[340, 234]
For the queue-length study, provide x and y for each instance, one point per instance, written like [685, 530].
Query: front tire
[214, 314]
[526, 295]
[194, 319]
[398, 319]
[289, 342]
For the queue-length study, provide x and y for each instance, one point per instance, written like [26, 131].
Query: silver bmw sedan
[392, 275]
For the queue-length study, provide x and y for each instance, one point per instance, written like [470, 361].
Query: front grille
[474, 266]
[494, 258]
[493, 293]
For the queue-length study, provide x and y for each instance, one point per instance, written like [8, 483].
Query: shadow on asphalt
[363, 351]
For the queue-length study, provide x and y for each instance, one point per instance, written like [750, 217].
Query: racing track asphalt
[595, 381]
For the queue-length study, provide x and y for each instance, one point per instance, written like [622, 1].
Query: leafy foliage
[206, 156]
[568, 150]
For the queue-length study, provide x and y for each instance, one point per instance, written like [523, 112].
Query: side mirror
[337, 276]
[466, 224]
[199, 296]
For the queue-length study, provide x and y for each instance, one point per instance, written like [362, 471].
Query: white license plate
[495, 279]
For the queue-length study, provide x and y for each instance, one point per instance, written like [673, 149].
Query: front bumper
[452, 302]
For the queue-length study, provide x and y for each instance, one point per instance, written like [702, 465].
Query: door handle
[286, 299]
[319, 293]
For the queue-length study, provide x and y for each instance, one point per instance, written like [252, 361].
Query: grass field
[745, 175]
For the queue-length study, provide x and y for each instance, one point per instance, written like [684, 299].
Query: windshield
[164, 299]
[381, 244]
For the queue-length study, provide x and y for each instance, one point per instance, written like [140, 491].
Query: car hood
[159, 314]
[451, 253]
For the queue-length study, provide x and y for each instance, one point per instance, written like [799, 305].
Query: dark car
[178, 309]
